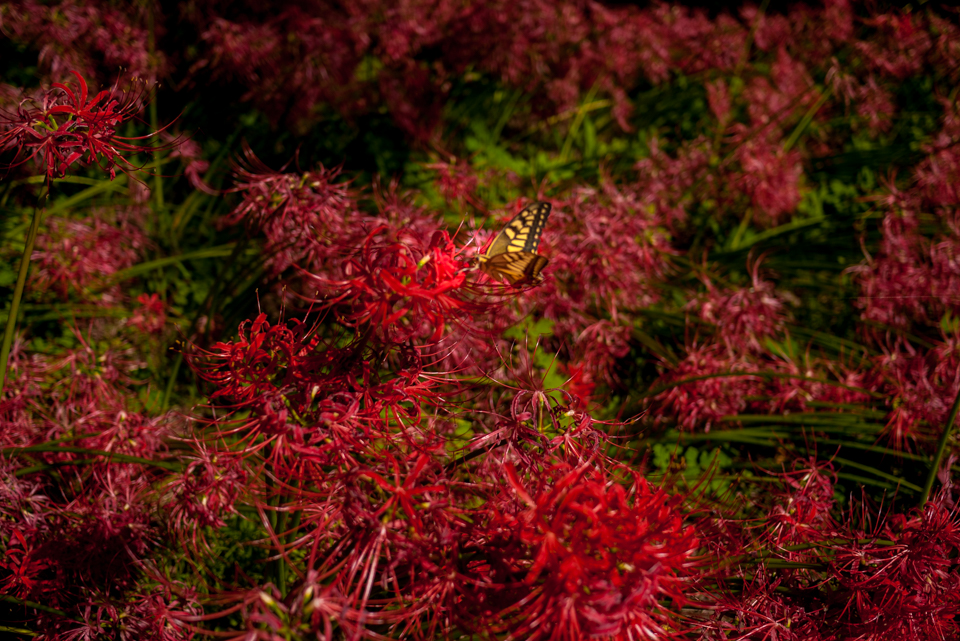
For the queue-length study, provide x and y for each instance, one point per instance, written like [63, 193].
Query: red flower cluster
[83, 256]
[586, 557]
[887, 580]
[78, 517]
[307, 219]
[405, 56]
[402, 466]
[733, 370]
[390, 492]
[98, 38]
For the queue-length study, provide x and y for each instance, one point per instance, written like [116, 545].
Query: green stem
[806, 120]
[208, 301]
[168, 390]
[37, 606]
[281, 552]
[154, 119]
[941, 450]
[18, 293]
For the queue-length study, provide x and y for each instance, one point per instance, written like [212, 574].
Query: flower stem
[18, 293]
[154, 121]
[941, 449]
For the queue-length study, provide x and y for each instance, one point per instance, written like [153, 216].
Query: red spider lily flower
[246, 368]
[601, 345]
[71, 126]
[457, 183]
[718, 97]
[163, 616]
[206, 491]
[596, 560]
[89, 534]
[308, 219]
[403, 492]
[310, 398]
[765, 609]
[745, 316]
[913, 277]
[539, 415]
[404, 289]
[531, 397]
[794, 393]
[151, 315]
[666, 180]
[905, 588]
[921, 385]
[900, 48]
[718, 386]
[579, 384]
[157, 617]
[91, 37]
[85, 389]
[609, 249]
[801, 512]
[24, 567]
[81, 256]
[771, 177]
[889, 578]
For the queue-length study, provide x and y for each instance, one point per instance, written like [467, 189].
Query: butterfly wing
[513, 253]
[516, 267]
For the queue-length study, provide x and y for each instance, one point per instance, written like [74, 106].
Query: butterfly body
[513, 253]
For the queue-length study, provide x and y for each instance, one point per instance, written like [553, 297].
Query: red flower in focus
[402, 492]
[596, 559]
[242, 370]
[402, 289]
[70, 126]
[901, 581]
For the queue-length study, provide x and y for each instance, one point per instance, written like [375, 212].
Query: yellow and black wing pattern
[513, 253]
